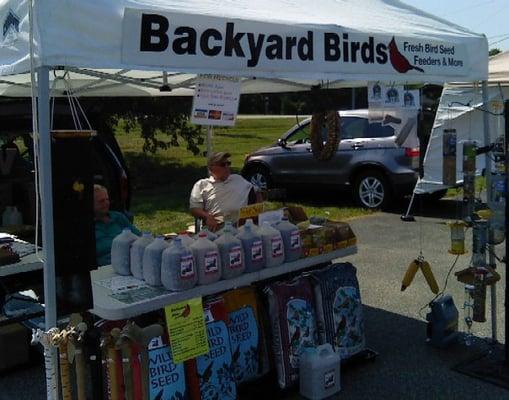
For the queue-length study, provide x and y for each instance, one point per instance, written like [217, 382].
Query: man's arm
[209, 219]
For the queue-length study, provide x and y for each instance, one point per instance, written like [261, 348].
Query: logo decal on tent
[11, 27]
[398, 60]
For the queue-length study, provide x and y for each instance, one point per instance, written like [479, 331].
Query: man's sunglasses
[224, 164]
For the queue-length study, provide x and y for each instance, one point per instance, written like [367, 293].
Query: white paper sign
[216, 101]
[411, 100]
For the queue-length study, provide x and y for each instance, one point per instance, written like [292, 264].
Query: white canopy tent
[462, 108]
[291, 42]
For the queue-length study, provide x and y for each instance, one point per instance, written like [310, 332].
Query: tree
[168, 115]
[494, 52]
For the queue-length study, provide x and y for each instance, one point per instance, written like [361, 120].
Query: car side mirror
[282, 143]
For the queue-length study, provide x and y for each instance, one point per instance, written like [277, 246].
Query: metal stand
[493, 366]
[407, 217]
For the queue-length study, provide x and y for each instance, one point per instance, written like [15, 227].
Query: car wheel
[259, 176]
[372, 190]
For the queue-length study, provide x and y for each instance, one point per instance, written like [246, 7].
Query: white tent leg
[209, 140]
[46, 197]
[491, 248]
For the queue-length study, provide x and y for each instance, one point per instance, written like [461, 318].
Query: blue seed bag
[339, 309]
[211, 375]
[249, 354]
[166, 380]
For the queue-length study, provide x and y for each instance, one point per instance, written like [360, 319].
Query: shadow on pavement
[445, 208]
[406, 367]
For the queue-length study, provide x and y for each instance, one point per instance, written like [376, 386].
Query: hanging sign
[393, 112]
[186, 329]
[216, 100]
[251, 211]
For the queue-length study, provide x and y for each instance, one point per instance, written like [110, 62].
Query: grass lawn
[162, 181]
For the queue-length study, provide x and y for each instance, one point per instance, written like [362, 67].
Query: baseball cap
[217, 158]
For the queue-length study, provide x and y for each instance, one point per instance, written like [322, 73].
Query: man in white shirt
[219, 197]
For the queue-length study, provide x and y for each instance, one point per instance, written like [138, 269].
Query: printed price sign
[215, 101]
[251, 211]
[186, 328]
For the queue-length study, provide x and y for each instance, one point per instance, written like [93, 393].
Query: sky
[490, 17]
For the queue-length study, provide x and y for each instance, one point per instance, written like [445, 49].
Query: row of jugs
[207, 259]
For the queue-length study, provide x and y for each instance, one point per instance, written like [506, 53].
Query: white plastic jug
[207, 258]
[253, 247]
[232, 254]
[152, 261]
[249, 223]
[11, 216]
[230, 226]
[291, 239]
[319, 372]
[210, 235]
[273, 247]
[178, 270]
[121, 252]
[186, 238]
[137, 250]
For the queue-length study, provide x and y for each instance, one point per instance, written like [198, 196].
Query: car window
[378, 130]
[353, 127]
[358, 128]
[300, 135]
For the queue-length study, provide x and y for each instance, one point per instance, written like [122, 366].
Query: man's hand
[211, 223]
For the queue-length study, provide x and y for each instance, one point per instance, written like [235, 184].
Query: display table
[27, 264]
[136, 298]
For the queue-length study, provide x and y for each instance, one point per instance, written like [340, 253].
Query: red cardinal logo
[398, 60]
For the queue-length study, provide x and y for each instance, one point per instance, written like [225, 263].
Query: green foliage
[161, 122]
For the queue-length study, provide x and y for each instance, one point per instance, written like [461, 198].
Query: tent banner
[164, 39]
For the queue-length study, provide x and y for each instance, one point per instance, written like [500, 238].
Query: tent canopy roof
[339, 41]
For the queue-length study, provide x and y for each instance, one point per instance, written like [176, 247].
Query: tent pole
[46, 187]
[491, 248]
[209, 140]
[506, 302]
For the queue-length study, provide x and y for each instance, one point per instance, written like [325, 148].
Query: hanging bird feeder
[457, 237]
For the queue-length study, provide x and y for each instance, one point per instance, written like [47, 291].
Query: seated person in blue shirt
[108, 224]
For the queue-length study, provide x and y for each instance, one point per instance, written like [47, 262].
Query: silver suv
[368, 160]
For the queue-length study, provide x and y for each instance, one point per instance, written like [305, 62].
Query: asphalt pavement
[406, 366]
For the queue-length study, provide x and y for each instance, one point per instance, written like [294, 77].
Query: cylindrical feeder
[457, 237]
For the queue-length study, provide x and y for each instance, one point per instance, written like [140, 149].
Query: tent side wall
[461, 108]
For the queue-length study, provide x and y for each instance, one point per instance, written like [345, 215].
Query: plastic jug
[291, 239]
[152, 261]
[230, 226]
[232, 254]
[253, 247]
[273, 247]
[249, 222]
[207, 259]
[121, 252]
[210, 235]
[187, 240]
[137, 250]
[11, 216]
[319, 372]
[178, 271]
